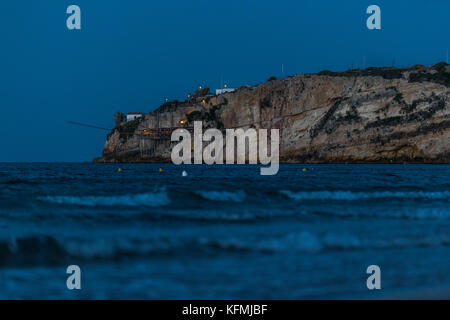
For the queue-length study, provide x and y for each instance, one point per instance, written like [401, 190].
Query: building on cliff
[134, 115]
[224, 90]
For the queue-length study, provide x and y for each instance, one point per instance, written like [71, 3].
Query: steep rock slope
[372, 115]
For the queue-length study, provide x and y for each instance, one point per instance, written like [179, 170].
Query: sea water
[223, 231]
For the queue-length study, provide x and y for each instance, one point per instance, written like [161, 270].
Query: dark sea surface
[224, 232]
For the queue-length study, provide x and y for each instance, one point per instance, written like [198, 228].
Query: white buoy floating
[184, 174]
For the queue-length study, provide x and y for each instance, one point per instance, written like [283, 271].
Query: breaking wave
[48, 250]
[352, 196]
[147, 199]
[237, 196]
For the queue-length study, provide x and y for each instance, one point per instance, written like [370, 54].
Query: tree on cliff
[118, 118]
[201, 92]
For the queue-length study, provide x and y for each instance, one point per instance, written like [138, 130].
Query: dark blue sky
[131, 55]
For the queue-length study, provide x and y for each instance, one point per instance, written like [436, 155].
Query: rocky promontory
[375, 115]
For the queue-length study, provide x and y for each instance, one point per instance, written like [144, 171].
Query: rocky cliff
[372, 115]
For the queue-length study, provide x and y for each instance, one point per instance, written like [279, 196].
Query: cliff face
[373, 115]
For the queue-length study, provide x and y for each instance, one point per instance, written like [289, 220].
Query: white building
[134, 115]
[224, 90]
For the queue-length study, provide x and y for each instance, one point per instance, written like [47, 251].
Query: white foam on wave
[237, 196]
[303, 241]
[351, 196]
[146, 199]
[308, 242]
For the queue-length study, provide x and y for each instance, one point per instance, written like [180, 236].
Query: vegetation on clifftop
[127, 129]
[441, 76]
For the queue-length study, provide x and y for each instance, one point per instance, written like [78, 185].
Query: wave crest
[147, 199]
[237, 196]
[352, 196]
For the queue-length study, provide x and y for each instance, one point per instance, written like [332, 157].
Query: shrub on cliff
[348, 73]
[193, 116]
[440, 67]
[265, 103]
[386, 73]
[118, 118]
[201, 92]
[440, 77]
[128, 129]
